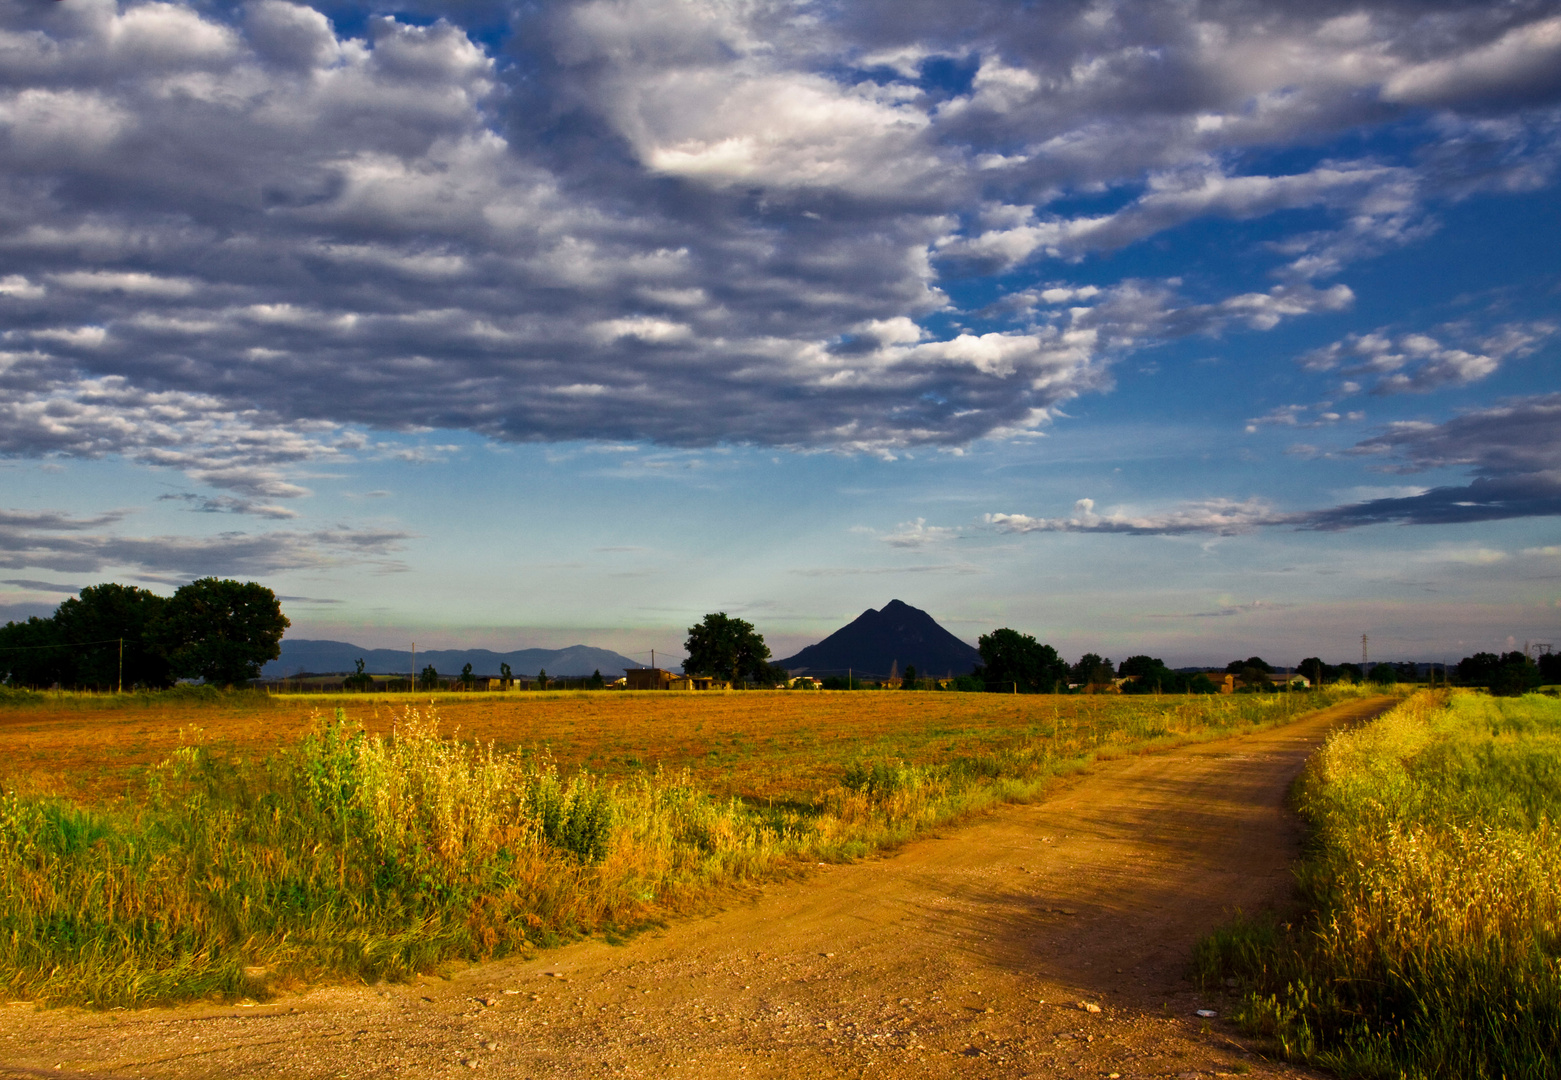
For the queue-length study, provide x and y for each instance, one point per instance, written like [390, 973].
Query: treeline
[1013, 662]
[111, 636]
[1508, 674]
[1503, 674]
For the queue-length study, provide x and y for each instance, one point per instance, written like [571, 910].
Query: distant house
[647, 678]
[1224, 682]
[650, 678]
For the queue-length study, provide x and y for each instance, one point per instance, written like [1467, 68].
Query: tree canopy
[1092, 670]
[1383, 675]
[1011, 659]
[1506, 674]
[1257, 663]
[214, 629]
[105, 614]
[224, 630]
[727, 648]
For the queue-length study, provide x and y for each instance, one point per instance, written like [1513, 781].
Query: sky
[1190, 329]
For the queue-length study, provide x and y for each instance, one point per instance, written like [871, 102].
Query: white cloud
[918, 534]
[1378, 199]
[234, 236]
[1520, 63]
[1418, 362]
[1220, 516]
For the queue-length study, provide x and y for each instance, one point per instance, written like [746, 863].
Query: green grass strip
[1431, 946]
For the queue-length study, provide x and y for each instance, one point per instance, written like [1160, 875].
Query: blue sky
[1191, 329]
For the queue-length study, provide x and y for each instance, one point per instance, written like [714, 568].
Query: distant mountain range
[893, 638]
[323, 657]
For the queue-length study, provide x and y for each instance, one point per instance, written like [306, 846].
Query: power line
[66, 644]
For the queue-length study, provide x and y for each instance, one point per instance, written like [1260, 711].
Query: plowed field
[762, 744]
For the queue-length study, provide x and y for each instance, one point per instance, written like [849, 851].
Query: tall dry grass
[1433, 944]
[350, 854]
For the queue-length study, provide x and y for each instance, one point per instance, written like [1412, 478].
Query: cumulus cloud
[1524, 62]
[1380, 201]
[1418, 362]
[235, 237]
[1322, 414]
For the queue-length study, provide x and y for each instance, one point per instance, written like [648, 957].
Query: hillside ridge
[323, 656]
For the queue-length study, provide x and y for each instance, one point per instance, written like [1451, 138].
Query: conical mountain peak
[894, 636]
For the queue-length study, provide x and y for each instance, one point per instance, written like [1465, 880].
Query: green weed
[1433, 882]
[359, 855]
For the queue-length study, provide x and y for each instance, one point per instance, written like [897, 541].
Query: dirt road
[971, 954]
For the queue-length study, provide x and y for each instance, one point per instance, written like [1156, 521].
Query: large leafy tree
[1383, 675]
[1314, 669]
[1255, 663]
[223, 630]
[1507, 674]
[1549, 665]
[106, 615]
[727, 648]
[1092, 669]
[1010, 660]
[1150, 676]
[31, 654]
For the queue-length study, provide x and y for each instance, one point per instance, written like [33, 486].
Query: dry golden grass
[159, 848]
[758, 744]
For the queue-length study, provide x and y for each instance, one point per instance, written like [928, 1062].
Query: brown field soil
[760, 744]
[1040, 940]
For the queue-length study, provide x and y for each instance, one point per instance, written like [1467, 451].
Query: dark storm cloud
[233, 237]
[1513, 451]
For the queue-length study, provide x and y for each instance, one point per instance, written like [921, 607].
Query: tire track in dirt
[965, 954]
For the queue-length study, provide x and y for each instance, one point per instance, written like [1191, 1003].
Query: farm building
[651, 678]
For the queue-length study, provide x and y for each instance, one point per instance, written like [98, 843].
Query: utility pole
[121, 689]
[412, 684]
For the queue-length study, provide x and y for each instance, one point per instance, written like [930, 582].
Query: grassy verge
[1432, 943]
[376, 855]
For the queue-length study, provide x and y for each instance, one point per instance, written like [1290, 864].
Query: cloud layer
[237, 237]
[1513, 451]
